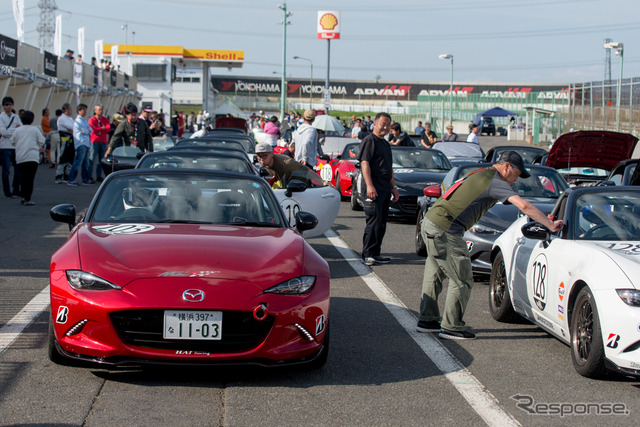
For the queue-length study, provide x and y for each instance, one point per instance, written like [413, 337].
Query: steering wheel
[600, 232]
[137, 214]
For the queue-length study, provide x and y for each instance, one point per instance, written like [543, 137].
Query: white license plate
[192, 325]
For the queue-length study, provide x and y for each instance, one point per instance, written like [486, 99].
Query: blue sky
[519, 41]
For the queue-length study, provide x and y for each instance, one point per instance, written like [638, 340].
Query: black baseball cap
[516, 161]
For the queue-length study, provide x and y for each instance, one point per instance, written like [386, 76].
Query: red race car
[185, 266]
[343, 169]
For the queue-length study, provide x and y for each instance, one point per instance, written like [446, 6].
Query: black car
[209, 160]
[413, 169]
[622, 173]
[488, 126]
[542, 189]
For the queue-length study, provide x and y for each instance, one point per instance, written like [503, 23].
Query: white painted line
[14, 327]
[480, 399]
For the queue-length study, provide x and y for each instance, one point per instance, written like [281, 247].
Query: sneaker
[90, 182]
[370, 261]
[58, 179]
[29, 203]
[382, 259]
[430, 326]
[72, 183]
[456, 335]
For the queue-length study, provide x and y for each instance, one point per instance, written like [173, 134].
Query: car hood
[191, 250]
[416, 179]
[620, 252]
[501, 216]
[596, 149]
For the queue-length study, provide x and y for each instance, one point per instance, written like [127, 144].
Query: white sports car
[581, 284]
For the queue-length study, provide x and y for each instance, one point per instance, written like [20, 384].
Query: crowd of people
[74, 146]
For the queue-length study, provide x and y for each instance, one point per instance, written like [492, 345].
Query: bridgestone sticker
[120, 229]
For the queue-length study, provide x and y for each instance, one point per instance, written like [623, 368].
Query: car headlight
[629, 296]
[79, 279]
[350, 174]
[484, 229]
[296, 286]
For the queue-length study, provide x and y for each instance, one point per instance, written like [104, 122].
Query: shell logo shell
[328, 21]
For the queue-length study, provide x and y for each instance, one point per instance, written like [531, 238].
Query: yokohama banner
[354, 89]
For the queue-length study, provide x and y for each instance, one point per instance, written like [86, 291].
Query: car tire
[587, 347]
[500, 305]
[321, 360]
[421, 247]
[338, 188]
[355, 206]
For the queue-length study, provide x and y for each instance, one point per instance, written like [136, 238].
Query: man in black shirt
[377, 188]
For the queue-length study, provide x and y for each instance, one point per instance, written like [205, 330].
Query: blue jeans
[96, 154]
[8, 159]
[81, 162]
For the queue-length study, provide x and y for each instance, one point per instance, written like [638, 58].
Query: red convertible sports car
[186, 266]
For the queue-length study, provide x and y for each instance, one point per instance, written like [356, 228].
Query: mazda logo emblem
[193, 295]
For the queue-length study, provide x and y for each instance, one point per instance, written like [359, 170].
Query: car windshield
[527, 154]
[458, 149]
[351, 152]
[608, 216]
[126, 151]
[186, 198]
[543, 182]
[420, 159]
[218, 143]
[594, 172]
[335, 145]
[196, 161]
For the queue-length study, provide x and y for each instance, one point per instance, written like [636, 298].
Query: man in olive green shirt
[442, 229]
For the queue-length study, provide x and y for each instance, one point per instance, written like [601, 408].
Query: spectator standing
[419, 129]
[132, 132]
[364, 132]
[54, 139]
[200, 120]
[191, 118]
[357, 127]
[157, 127]
[99, 139]
[68, 55]
[473, 134]
[9, 122]
[450, 136]
[82, 143]
[400, 138]
[378, 188]
[45, 125]
[306, 139]
[180, 124]
[448, 256]
[427, 139]
[66, 149]
[272, 129]
[145, 115]
[27, 140]
[116, 119]
[174, 124]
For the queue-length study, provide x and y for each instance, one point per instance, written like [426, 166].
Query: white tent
[225, 109]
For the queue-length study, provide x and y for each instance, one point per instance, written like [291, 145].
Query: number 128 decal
[539, 281]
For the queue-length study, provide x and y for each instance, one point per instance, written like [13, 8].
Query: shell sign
[328, 24]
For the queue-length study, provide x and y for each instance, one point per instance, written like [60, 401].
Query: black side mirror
[325, 157]
[357, 164]
[305, 221]
[295, 186]
[64, 213]
[535, 230]
[606, 184]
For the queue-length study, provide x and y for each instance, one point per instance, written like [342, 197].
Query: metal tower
[47, 26]
[607, 61]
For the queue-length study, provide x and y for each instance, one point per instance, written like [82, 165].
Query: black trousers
[376, 213]
[28, 174]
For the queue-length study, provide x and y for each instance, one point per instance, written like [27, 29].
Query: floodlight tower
[47, 25]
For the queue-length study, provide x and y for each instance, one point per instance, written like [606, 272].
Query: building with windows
[170, 75]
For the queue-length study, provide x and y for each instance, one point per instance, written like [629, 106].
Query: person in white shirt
[66, 150]
[28, 141]
[9, 122]
[473, 137]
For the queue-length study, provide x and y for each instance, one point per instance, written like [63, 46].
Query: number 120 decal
[539, 281]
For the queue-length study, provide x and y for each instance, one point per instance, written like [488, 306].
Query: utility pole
[283, 87]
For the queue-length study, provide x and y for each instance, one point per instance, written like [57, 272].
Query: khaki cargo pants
[447, 256]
